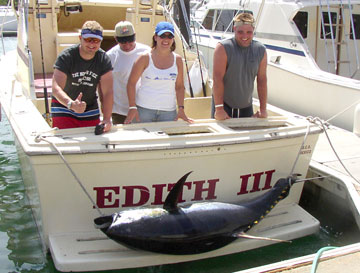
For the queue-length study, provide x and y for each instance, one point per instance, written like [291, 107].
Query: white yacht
[313, 52]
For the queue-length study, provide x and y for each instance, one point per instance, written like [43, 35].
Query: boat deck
[324, 160]
[93, 251]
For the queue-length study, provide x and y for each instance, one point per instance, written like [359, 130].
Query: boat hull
[128, 179]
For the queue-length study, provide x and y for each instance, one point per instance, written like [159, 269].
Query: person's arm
[219, 69]
[106, 95]
[58, 85]
[180, 90]
[138, 68]
[262, 88]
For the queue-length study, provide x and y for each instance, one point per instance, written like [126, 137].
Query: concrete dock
[343, 259]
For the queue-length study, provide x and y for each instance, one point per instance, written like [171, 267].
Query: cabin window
[224, 20]
[356, 19]
[301, 21]
[326, 26]
[208, 21]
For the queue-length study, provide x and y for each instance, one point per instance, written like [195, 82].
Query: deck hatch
[188, 130]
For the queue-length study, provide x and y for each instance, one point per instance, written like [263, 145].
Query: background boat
[309, 72]
[8, 21]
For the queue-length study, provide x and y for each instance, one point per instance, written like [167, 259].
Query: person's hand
[78, 106]
[181, 114]
[261, 114]
[133, 113]
[220, 114]
[107, 124]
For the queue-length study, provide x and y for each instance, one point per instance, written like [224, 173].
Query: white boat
[135, 165]
[307, 74]
[8, 21]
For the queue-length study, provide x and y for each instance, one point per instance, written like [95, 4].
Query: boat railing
[336, 44]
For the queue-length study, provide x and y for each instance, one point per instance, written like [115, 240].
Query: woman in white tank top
[162, 83]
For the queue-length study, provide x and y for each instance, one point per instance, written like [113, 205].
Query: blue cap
[88, 33]
[163, 27]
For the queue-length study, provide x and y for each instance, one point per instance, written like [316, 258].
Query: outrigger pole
[46, 100]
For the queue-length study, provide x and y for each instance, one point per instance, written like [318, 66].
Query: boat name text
[139, 195]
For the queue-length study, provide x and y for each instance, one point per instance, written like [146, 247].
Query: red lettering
[268, 180]
[158, 194]
[257, 177]
[129, 196]
[199, 188]
[106, 193]
[244, 183]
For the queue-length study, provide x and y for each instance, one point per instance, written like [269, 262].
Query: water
[20, 247]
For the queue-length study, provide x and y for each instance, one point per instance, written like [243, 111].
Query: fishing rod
[46, 99]
[198, 55]
[182, 43]
[187, 68]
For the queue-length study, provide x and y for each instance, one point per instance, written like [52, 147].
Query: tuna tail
[172, 199]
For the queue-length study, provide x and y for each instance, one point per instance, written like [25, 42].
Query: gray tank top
[241, 70]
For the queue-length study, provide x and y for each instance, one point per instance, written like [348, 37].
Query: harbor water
[20, 246]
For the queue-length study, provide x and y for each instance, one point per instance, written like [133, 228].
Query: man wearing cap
[237, 62]
[122, 57]
[78, 71]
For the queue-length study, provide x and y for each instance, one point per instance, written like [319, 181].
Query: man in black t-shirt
[78, 72]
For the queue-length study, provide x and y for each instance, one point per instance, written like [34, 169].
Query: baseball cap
[91, 33]
[163, 27]
[124, 29]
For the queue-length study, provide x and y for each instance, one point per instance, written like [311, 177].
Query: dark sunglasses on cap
[166, 35]
[126, 39]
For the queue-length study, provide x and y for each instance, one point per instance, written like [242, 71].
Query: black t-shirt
[82, 75]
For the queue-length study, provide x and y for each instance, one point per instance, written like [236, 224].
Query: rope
[302, 145]
[343, 111]
[318, 255]
[38, 139]
[331, 145]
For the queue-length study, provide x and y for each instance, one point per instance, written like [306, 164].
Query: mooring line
[298, 155]
[317, 119]
[38, 138]
[343, 111]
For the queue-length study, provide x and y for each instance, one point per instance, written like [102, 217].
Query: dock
[325, 162]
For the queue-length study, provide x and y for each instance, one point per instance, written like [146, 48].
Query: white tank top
[157, 89]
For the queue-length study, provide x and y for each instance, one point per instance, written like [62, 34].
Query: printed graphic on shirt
[83, 78]
[170, 77]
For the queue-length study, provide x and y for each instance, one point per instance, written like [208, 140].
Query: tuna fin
[244, 235]
[173, 197]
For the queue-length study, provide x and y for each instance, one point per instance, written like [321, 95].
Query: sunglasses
[126, 39]
[168, 36]
[92, 40]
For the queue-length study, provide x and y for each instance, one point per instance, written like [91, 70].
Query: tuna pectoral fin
[244, 235]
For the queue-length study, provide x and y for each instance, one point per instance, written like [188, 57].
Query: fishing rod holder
[72, 8]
